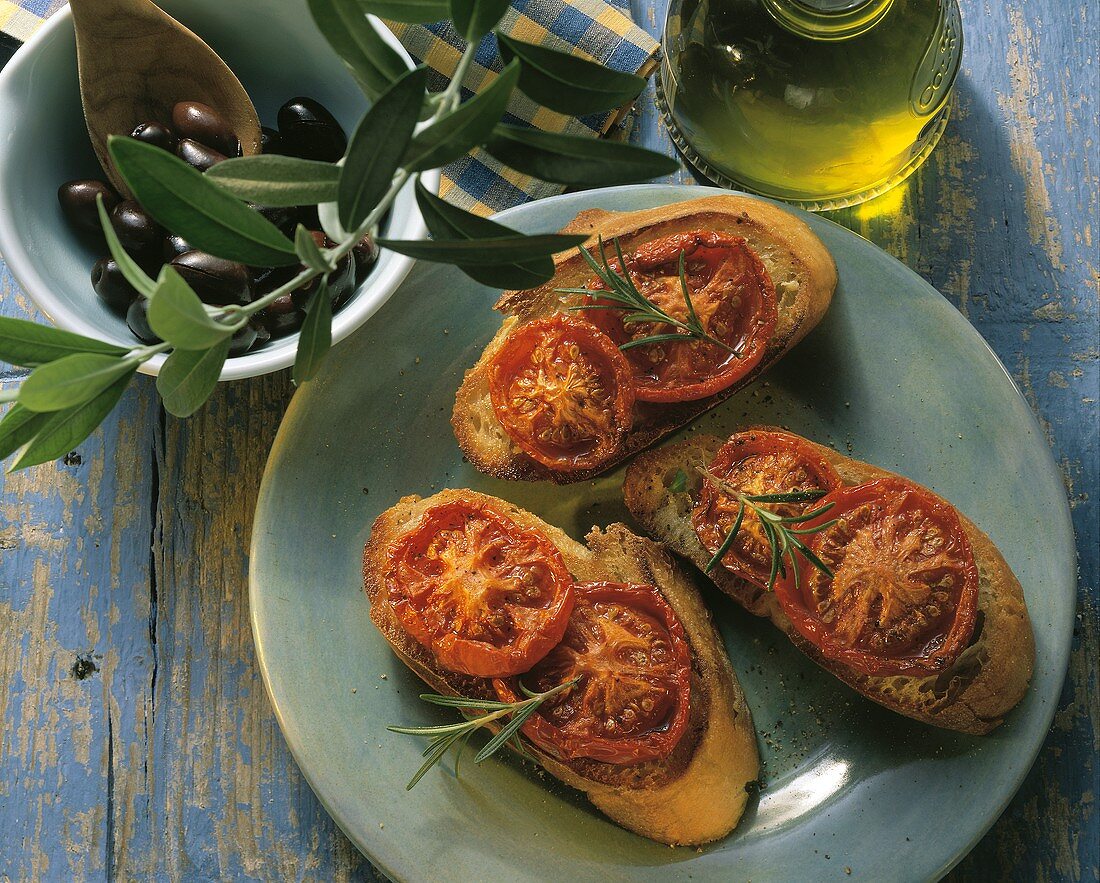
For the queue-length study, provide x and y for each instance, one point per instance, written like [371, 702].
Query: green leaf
[446, 222]
[275, 180]
[307, 249]
[187, 203]
[177, 315]
[576, 161]
[484, 252]
[414, 12]
[469, 126]
[188, 377]
[64, 430]
[377, 146]
[29, 344]
[566, 83]
[475, 18]
[315, 338]
[18, 427]
[371, 60]
[129, 268]
[71, 381]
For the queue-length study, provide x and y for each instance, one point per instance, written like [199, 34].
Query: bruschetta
[661, 315]
[877, 579]
[483, 600]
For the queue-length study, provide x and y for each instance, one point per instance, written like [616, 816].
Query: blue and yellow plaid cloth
[595, 29]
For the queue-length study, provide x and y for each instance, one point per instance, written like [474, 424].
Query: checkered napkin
[600, 30]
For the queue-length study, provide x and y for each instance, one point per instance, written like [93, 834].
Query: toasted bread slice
[694, 796]
[973, 696]
[801, 269]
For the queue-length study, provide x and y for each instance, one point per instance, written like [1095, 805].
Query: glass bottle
[823, 103]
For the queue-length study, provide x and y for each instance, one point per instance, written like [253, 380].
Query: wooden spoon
[136, 61]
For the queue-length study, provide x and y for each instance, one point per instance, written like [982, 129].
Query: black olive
[283, 217]
[135, 229]
[242, 340]
[309, 131]
[202, 123]
[270, 140]
[175, 245]
[198, 155]
[282, 316]
[266, 279]
[307, 217]
[365, 255]
[216, 281]
[137, 317]
[111, 285]
[341, 282]
[157, 134]
[262, 334]
[78, 202]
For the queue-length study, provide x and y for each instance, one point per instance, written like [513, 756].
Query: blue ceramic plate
[893, 375]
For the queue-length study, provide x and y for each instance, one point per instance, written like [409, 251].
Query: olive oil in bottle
[824, 103]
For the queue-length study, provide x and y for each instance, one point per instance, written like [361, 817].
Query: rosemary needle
[444, 736]
[783, 538]
[625, 296]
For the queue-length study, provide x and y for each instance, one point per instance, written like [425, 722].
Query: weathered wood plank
[75, 663]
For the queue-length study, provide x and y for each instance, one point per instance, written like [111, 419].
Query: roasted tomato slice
[628, 650]
[757, 463]
[487, 596]
[733, 297]
[562, 391]
[904, 592]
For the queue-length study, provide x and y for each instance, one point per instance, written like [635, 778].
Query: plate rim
[1062, 633]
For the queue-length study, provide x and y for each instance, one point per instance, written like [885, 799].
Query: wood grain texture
[165, 762]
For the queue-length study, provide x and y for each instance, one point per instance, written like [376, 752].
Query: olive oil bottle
[824, 103]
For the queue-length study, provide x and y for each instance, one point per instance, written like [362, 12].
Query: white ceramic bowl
[275, 50]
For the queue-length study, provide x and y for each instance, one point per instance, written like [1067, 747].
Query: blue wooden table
[136, 740]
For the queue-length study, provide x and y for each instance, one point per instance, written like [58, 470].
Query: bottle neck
[828, 19]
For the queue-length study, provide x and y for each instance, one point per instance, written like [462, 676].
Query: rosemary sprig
[624, 295]
[783, 538]
[443, 737]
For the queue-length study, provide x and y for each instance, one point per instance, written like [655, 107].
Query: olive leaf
[315, 338]
[29, 344]
[475, 18]
[567, 83]
[377, 146]
[194, 207]
[177, 315]
[372, 61]
[307, 249]
[454, 135]
[415, 12]
[575, 161]
[71, 380]
[489, 251]
[275, 180]
[18, 427]
[188, 377]
[64, 430]
[446, 222]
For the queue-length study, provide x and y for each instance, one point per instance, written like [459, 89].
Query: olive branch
[75, 381]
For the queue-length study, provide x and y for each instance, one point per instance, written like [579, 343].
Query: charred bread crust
[696, 795]
[801, 269]
[973, 696]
